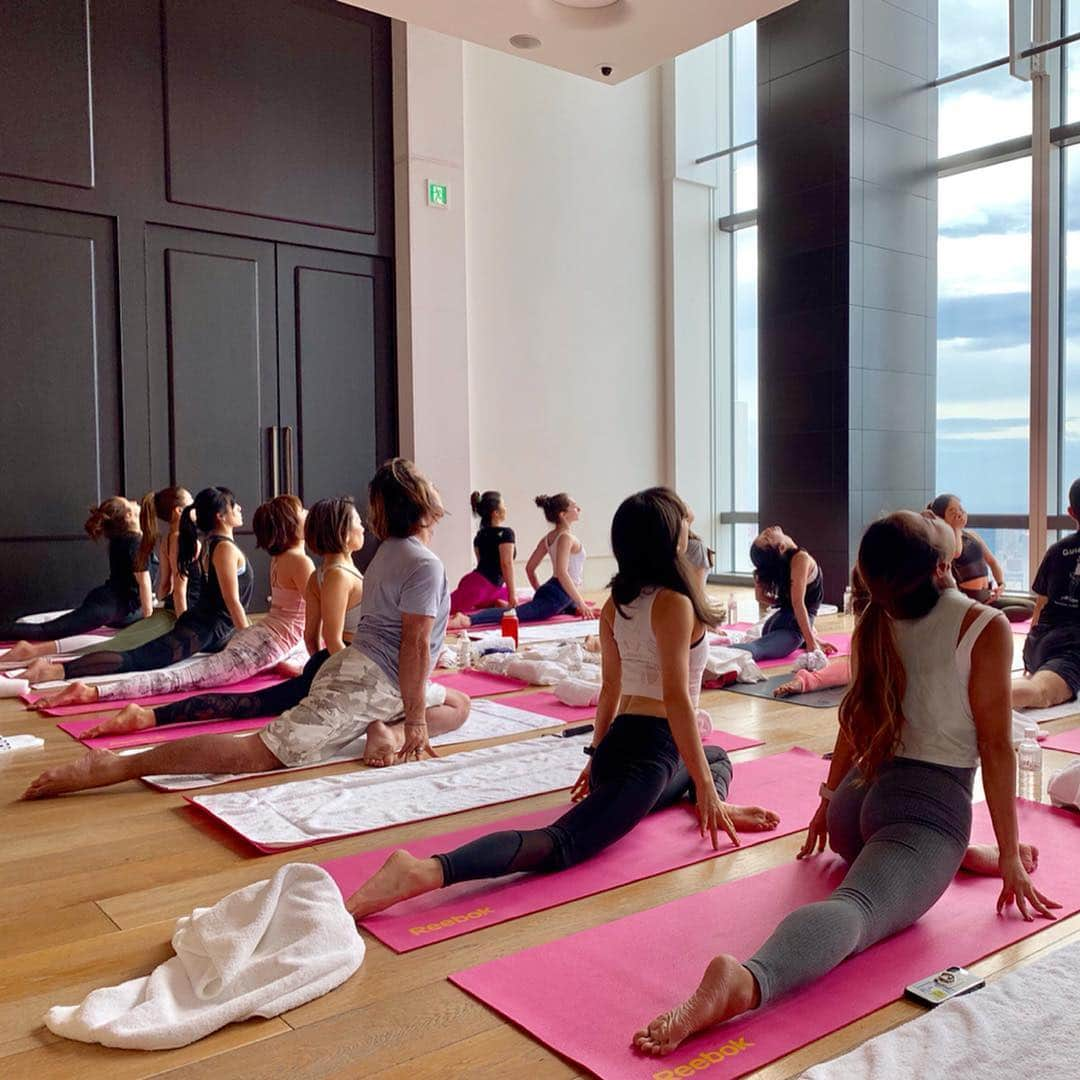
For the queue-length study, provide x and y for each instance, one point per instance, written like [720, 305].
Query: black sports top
[123, 551]
[210, 605]
[487, 543]
[970, 564]
[815, 588]
[1058, 580]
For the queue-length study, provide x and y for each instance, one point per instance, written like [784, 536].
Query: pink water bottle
[509, 625]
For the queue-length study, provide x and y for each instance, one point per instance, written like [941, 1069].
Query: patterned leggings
[248, 652]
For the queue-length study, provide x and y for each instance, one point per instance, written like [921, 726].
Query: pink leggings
[837, 672]
[474, 592]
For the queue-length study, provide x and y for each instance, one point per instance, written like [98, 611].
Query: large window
[735, 368]
[1008, 393]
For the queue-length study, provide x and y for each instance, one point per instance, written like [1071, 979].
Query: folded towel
[723, 661]
[577, 692]
[259, 951]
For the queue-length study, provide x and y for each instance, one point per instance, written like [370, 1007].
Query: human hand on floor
[581, 784]
[587, 610]
[713, 816]
[1017, 888]
[818, 832]
[416, 743]
[827, 647]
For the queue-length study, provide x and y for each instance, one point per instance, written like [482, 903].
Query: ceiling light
[525, 41]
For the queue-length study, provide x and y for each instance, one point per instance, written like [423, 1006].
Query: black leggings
[186, 638]
[636, 769]
[272, 701]
[100, 607]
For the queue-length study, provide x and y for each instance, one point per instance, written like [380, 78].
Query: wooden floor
[90, 886]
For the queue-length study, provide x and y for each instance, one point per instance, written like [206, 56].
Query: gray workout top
[352, 615]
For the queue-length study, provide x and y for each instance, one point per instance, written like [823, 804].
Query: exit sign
[437, 195]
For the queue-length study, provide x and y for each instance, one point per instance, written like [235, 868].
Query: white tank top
[575, 564]
[938, 722]
[352, 615]
[640, 658]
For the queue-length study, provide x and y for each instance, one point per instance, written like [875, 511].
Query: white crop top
[640, 659]
[938, 724]
[352, 615]
[575, 564]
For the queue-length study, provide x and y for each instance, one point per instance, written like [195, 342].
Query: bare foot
[402, 876]
[383, 744]
[460, 621]
[130, 718]
[289, 668]
[76, 693]
[42, 670]
[791, 687]
[726, 990]
[29, 650]
[752, 818]
[983, 859]
[96, 768]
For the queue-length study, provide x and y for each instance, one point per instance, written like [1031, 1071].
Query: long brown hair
[897, 560]
[645, 540]
[156, 506]
[109, 519]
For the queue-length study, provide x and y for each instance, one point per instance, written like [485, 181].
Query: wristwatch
[588, 751]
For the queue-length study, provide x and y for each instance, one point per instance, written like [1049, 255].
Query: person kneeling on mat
[1052, 650]
[378, 686]
[654, 639]
[927, 706]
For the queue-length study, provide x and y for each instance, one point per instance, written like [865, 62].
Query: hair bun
[542, 501]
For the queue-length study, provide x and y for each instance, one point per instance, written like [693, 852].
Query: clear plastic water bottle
[849, 606]
[464, 652]
[1029, 765]
[732, 609]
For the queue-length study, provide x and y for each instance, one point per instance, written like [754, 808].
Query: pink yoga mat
[1069, 741]
[547, 704]
[1022, 628]
[786, 783]
[634, 968]
[149, 736]
[246, 686]
[479, 683]
[842, 642]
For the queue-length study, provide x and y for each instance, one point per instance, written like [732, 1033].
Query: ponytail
[108, 520]
[483, 506]
[187, 544]
[148, 525]
[200, 517]
[871, 713]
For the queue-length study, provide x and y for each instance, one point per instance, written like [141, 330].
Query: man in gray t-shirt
[404, 578]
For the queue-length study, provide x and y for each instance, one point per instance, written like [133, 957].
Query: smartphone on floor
[944, 986]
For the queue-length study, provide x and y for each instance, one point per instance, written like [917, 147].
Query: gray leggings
[905, 836]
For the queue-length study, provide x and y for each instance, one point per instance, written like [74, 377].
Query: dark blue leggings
[550, 599]
[636, 769]
[780, 636]
[100, 607]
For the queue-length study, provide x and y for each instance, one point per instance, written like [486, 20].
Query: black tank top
[970, 563]
[210, 606]
[123, 551]
[815, 588]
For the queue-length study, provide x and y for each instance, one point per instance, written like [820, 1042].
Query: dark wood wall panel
[243, 85]
[59, 411]
[161, 162]
[46, 130]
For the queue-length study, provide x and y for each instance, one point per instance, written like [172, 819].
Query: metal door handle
[275, 462]
[287, 453]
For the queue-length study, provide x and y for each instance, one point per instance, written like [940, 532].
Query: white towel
[1043, 716]
[13, 687]
[577, 692]
[261, 950]
[1022, 1024]
[355, 802]
[723, 660]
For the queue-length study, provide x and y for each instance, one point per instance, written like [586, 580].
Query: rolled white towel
[13, 687]
[812, 661]
[577, 692]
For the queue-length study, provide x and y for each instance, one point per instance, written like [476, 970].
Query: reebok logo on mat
[453, 920]
[704, 1060]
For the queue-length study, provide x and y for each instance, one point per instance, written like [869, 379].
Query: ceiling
[582, 36]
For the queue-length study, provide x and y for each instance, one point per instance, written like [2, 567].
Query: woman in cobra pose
[205, 627]
[561, 593]
[127, 595]
[278, 526]
[492, 582]
[164, 505]
[928, 704]
[789, 577]
[332, 597]
[646, 752]
[978, 574]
